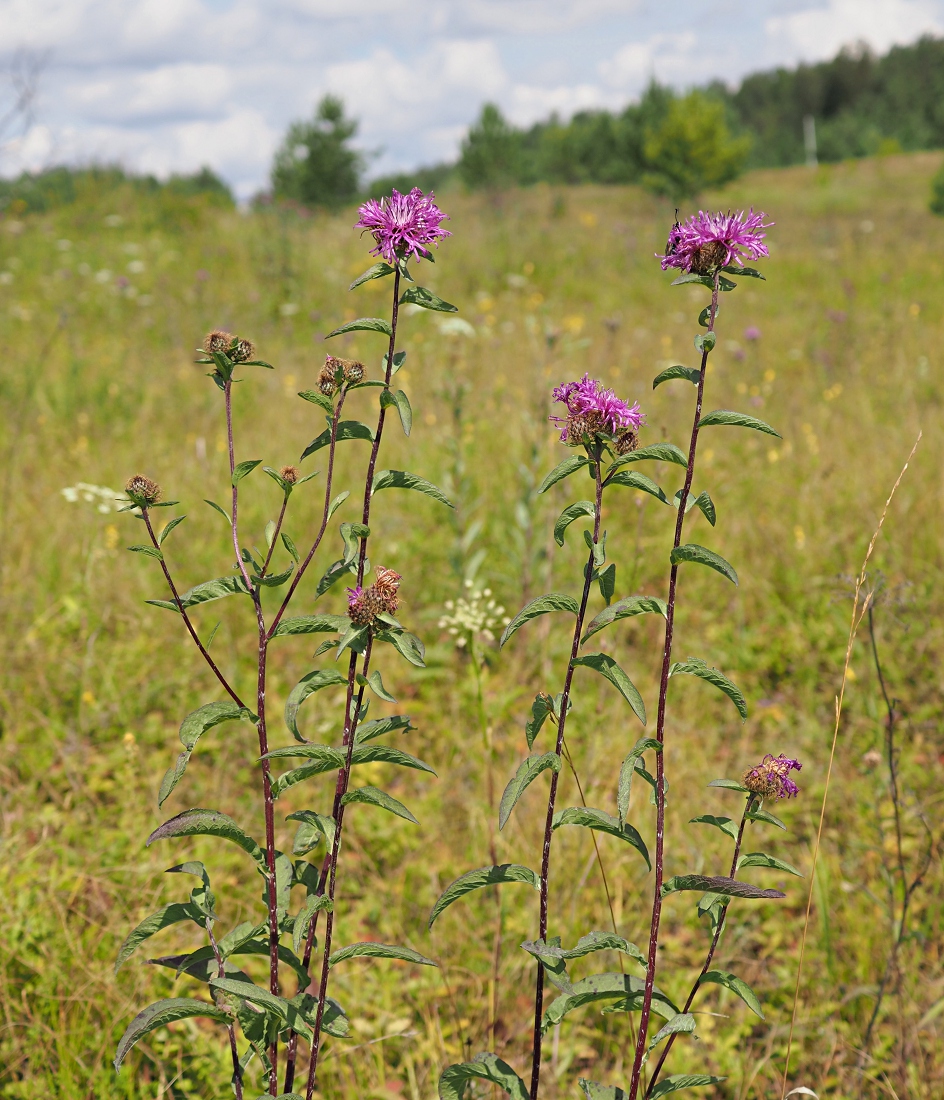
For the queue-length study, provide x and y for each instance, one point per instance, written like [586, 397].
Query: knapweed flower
[708, 241]
[337, 372]
[752, 332]
[403, 225]
[593, 410]
[381, 598]
[770, 778]
[476, 614]
[142, 491]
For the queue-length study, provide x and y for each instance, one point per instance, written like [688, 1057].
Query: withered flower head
[769, 778]
[243, 351]
[219, 340]
[365, 604]
[289, 474]
[143, 491]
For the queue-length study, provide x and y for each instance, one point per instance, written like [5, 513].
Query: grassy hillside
[100, 307]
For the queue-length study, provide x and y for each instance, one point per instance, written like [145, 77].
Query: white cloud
[820, 32]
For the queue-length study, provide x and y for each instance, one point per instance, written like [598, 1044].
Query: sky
[167, 86]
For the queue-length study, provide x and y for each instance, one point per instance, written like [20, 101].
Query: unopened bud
[289, 474]
[143, 491]
[242, 351]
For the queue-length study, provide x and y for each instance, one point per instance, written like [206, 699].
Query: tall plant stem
[340, 792]
[231, 1029]
[268, 800]
[711, 950]
[552, 797]
[186, 618]
[660, 723]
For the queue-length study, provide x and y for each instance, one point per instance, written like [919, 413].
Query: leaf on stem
[314, 903]
[243, 468]
[632, 479]
[372, 796]
[206, 592]
[379, 951]
[625, 609]
[484, 1067]
[200, 822]
[367, 731]
[627, 988]
[682, 1023]
[312, 829]
[737, 420]
[167, 915]
[541, 709]
[401, 403]
[400, 479]
[677, 371]
[540, 605]
[193, 727]
[476, 880]
[593, 1090]
[680, 1081]
[151, 551]
[310, 624]
[160, 1014]
[718, 884]
[528, 771]
[702, 556]
[347, 429]
[377, 271]
[571, 513]
[707, 506]
[168, 528]
[586, 945]
[610, 670]
[657, 452]
[604, 823]
[628, 769]
[695, 666]
[317, 398]
[314, 681]
[363, 324]
[725, 824]
[767, 818]
[420, 296]
[729, 785]
[562, 470]
[761, 859]
[736, 985]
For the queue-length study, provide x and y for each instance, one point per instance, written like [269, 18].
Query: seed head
[143, 491]
[217, 341]
[769, 778]
[289, 474]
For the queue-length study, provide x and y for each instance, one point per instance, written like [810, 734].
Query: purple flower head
[771, 777]
[708, 241]
[752, 333]
[592, 410]
[403, 225]
[353, 595]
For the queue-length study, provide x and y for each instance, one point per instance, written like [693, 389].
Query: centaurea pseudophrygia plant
[708, 249]
[404, 228]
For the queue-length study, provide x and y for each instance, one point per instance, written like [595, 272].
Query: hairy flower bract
[403, 225]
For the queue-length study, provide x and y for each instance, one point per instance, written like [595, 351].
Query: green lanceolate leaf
[593, 1090]
[586, 945]
[335, 571]
[314, 903]
[387, 754]
[695, 666]
[199, 822]
[378, 951]
[702, 556]
[761, 859]
[156, 922]
[244, 468]
[371, 796]
[717, 884]
[363, 324]
[401, 403]
[604, 823]
[737, 420]
[420, 296]
[367, 731]
[626, 988]
[729, 785]
[317, 398]
[400, 479]
[610, 670]
[528, 771]
[314, 681]
[541, 709]
[745, 272]
[606, 579]
[406, 644]
[376, 684]
[311, 624]
[625, 609]
[570, 513]
[682, 1023]
[204, 593]
[689, 373]
[541, 605]
[691, 277]
[162, 1013]
[274, 580]
[312, 829]
[484, 1067]
[326, 759]
[767, 818]
[286, 1012]
[679, 1081]
[628, 769]
[193, 727]
[151, 551]
[707, 506]
[725, 824]
[562, 470]
[476, 880]
[168, 528]
[656, 452]
[347, 429]
[632, 479]
[377, 271]
[736, 985]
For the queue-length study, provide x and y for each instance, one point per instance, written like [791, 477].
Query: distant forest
[860, 105]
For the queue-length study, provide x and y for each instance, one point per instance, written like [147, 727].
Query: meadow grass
[100, 307]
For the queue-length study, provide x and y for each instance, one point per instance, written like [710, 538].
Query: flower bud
[242, 351]
[143, 491]
[289, 474]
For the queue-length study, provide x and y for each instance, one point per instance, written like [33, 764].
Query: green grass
[96, 385]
